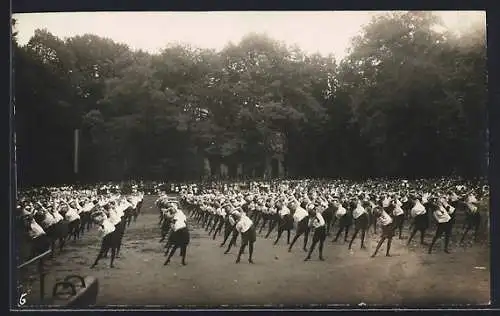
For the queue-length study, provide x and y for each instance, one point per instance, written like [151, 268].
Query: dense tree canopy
[408, 100]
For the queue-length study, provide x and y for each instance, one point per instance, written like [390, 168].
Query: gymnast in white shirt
[443, 220]
[420, 220]
[179, 238]
[108, 233]
[301, 218]
[387, 223]
[245, 227]
[317, 223]
[285, 222]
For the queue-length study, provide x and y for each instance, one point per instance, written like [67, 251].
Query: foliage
[408, 101]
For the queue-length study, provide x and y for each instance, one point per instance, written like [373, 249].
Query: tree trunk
[281, 169]
[239, 170]
[223, 171]
[268, 168]
[207, 171]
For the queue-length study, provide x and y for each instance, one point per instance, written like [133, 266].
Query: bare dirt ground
[409, 277]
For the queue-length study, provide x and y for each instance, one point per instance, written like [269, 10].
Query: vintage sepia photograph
[250, 159]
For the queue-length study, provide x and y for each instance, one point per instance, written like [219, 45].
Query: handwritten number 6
[22, 299]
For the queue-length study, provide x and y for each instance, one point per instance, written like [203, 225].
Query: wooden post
[76, 152]
[42, 279]
[41, 272]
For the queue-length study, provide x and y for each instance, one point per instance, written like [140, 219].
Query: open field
[409, 277]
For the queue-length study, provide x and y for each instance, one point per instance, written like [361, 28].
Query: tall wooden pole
[76, 152]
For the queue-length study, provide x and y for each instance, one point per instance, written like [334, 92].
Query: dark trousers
[286, 224]
[318, 236]
[344, 226]
[218, 229]
[302, 228]
[398, 224]
[387, 234]
[360, 224]
[442, 228]
[420, 224]
[274, 221]
[472, 221]
[178, 239]
[110, 241]
[74, 229]
[247, 238]
[118, 233]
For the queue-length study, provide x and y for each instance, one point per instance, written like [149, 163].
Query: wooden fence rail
[41, 272]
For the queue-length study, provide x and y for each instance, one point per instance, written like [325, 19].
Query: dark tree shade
[407, 101]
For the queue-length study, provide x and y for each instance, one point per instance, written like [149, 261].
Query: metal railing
[41, 272]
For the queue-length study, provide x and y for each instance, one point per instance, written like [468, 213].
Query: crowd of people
[321, 208]
[57, 215]
[231, 210]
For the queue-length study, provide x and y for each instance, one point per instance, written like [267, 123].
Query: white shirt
[49, 220]
[472, 207]
[441, 215]
[299, 214]
[179, 221]
[71, 215]
[120, 209]
[450, 209]
[425, 198]
[358, 211]
[284, 211]
[341, 211]
[180, 214]
[36, 230]
[471, 199]
[87, 207]
[114, 218]
[384, 219]
[317, 221]
[57, 216]
[397, 210]
[218, 211]
[418, 209]
[222, 212]
[106, 228]
[244, 224]
[123, 207]
[134, 201]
